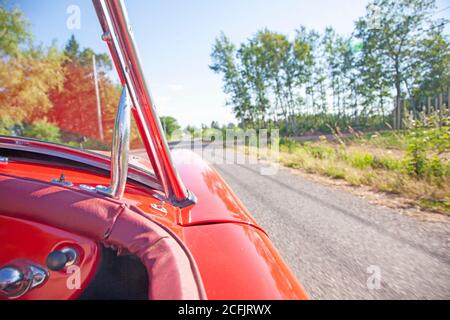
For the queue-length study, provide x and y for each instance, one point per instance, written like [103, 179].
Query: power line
[439, 25]
[442, 10]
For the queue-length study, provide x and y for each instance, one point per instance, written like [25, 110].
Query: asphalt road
[339, 245]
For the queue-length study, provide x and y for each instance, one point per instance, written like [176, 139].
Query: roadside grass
[361, 161]
[383, 139]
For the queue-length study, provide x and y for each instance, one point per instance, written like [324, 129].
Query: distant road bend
[339, 245]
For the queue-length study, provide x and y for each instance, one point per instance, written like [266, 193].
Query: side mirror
[120, 148]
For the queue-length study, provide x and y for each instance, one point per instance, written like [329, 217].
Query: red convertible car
[78, 225]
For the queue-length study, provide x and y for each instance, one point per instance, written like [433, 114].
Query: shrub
[335, 172]
[5, 125]
[437, 168]
[321, 152]
[9, 127]
[42, 130]
[289, 144]
[416, 159]
[361, 160]
[95, 145]
[387, 163]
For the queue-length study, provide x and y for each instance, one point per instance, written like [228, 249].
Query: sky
[175, 40]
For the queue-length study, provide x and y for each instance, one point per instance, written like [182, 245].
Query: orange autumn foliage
[75, 106]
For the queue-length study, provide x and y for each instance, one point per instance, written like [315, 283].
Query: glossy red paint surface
[239, 262]
[32, 241]
[235, 257]
[215, 200]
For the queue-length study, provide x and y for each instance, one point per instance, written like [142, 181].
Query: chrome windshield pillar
[120, 148]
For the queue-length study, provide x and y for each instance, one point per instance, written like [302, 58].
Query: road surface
[339, 245]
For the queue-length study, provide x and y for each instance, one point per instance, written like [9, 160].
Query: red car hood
[216, 203]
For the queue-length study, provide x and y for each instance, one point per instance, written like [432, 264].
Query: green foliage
[391, 32]
[316, 81]
[288, 144]
[72, 49]
[42, 130]
[6, 125]
[335, 172]
[434, 56]
[321, 151]
[387, 163]
[362, 160]
[440, 205]
[170, 125]
[261, 75]
[416, 160]
[438, 168]
[84, 57]
[384, 140]
[414, 163]
[92, 144]
[14, 31]
[428, 139]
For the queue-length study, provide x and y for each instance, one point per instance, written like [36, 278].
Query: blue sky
[175, 39]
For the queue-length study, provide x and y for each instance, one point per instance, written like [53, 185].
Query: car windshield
[57, 80]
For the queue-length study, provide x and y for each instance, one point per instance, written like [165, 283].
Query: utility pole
[97, 93]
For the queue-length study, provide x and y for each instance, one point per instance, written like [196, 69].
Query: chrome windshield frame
[118, 35]
[86, 157]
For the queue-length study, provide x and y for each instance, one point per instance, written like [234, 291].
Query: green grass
[361, 160]
[435, 205]
[384, 140]
[354, 162]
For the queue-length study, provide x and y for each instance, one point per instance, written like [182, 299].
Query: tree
[434, 55]
[262, 76]
[376, 86]
[170, 125]
[43, 130]
[14, 31]
[26, 81]
[223, 61]
[26, 74]
[72, 48]
[272, 80]
[316, 85]
[75, 109]
[393, 29]
[253, 72]
[84, 57]
[215, 125]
